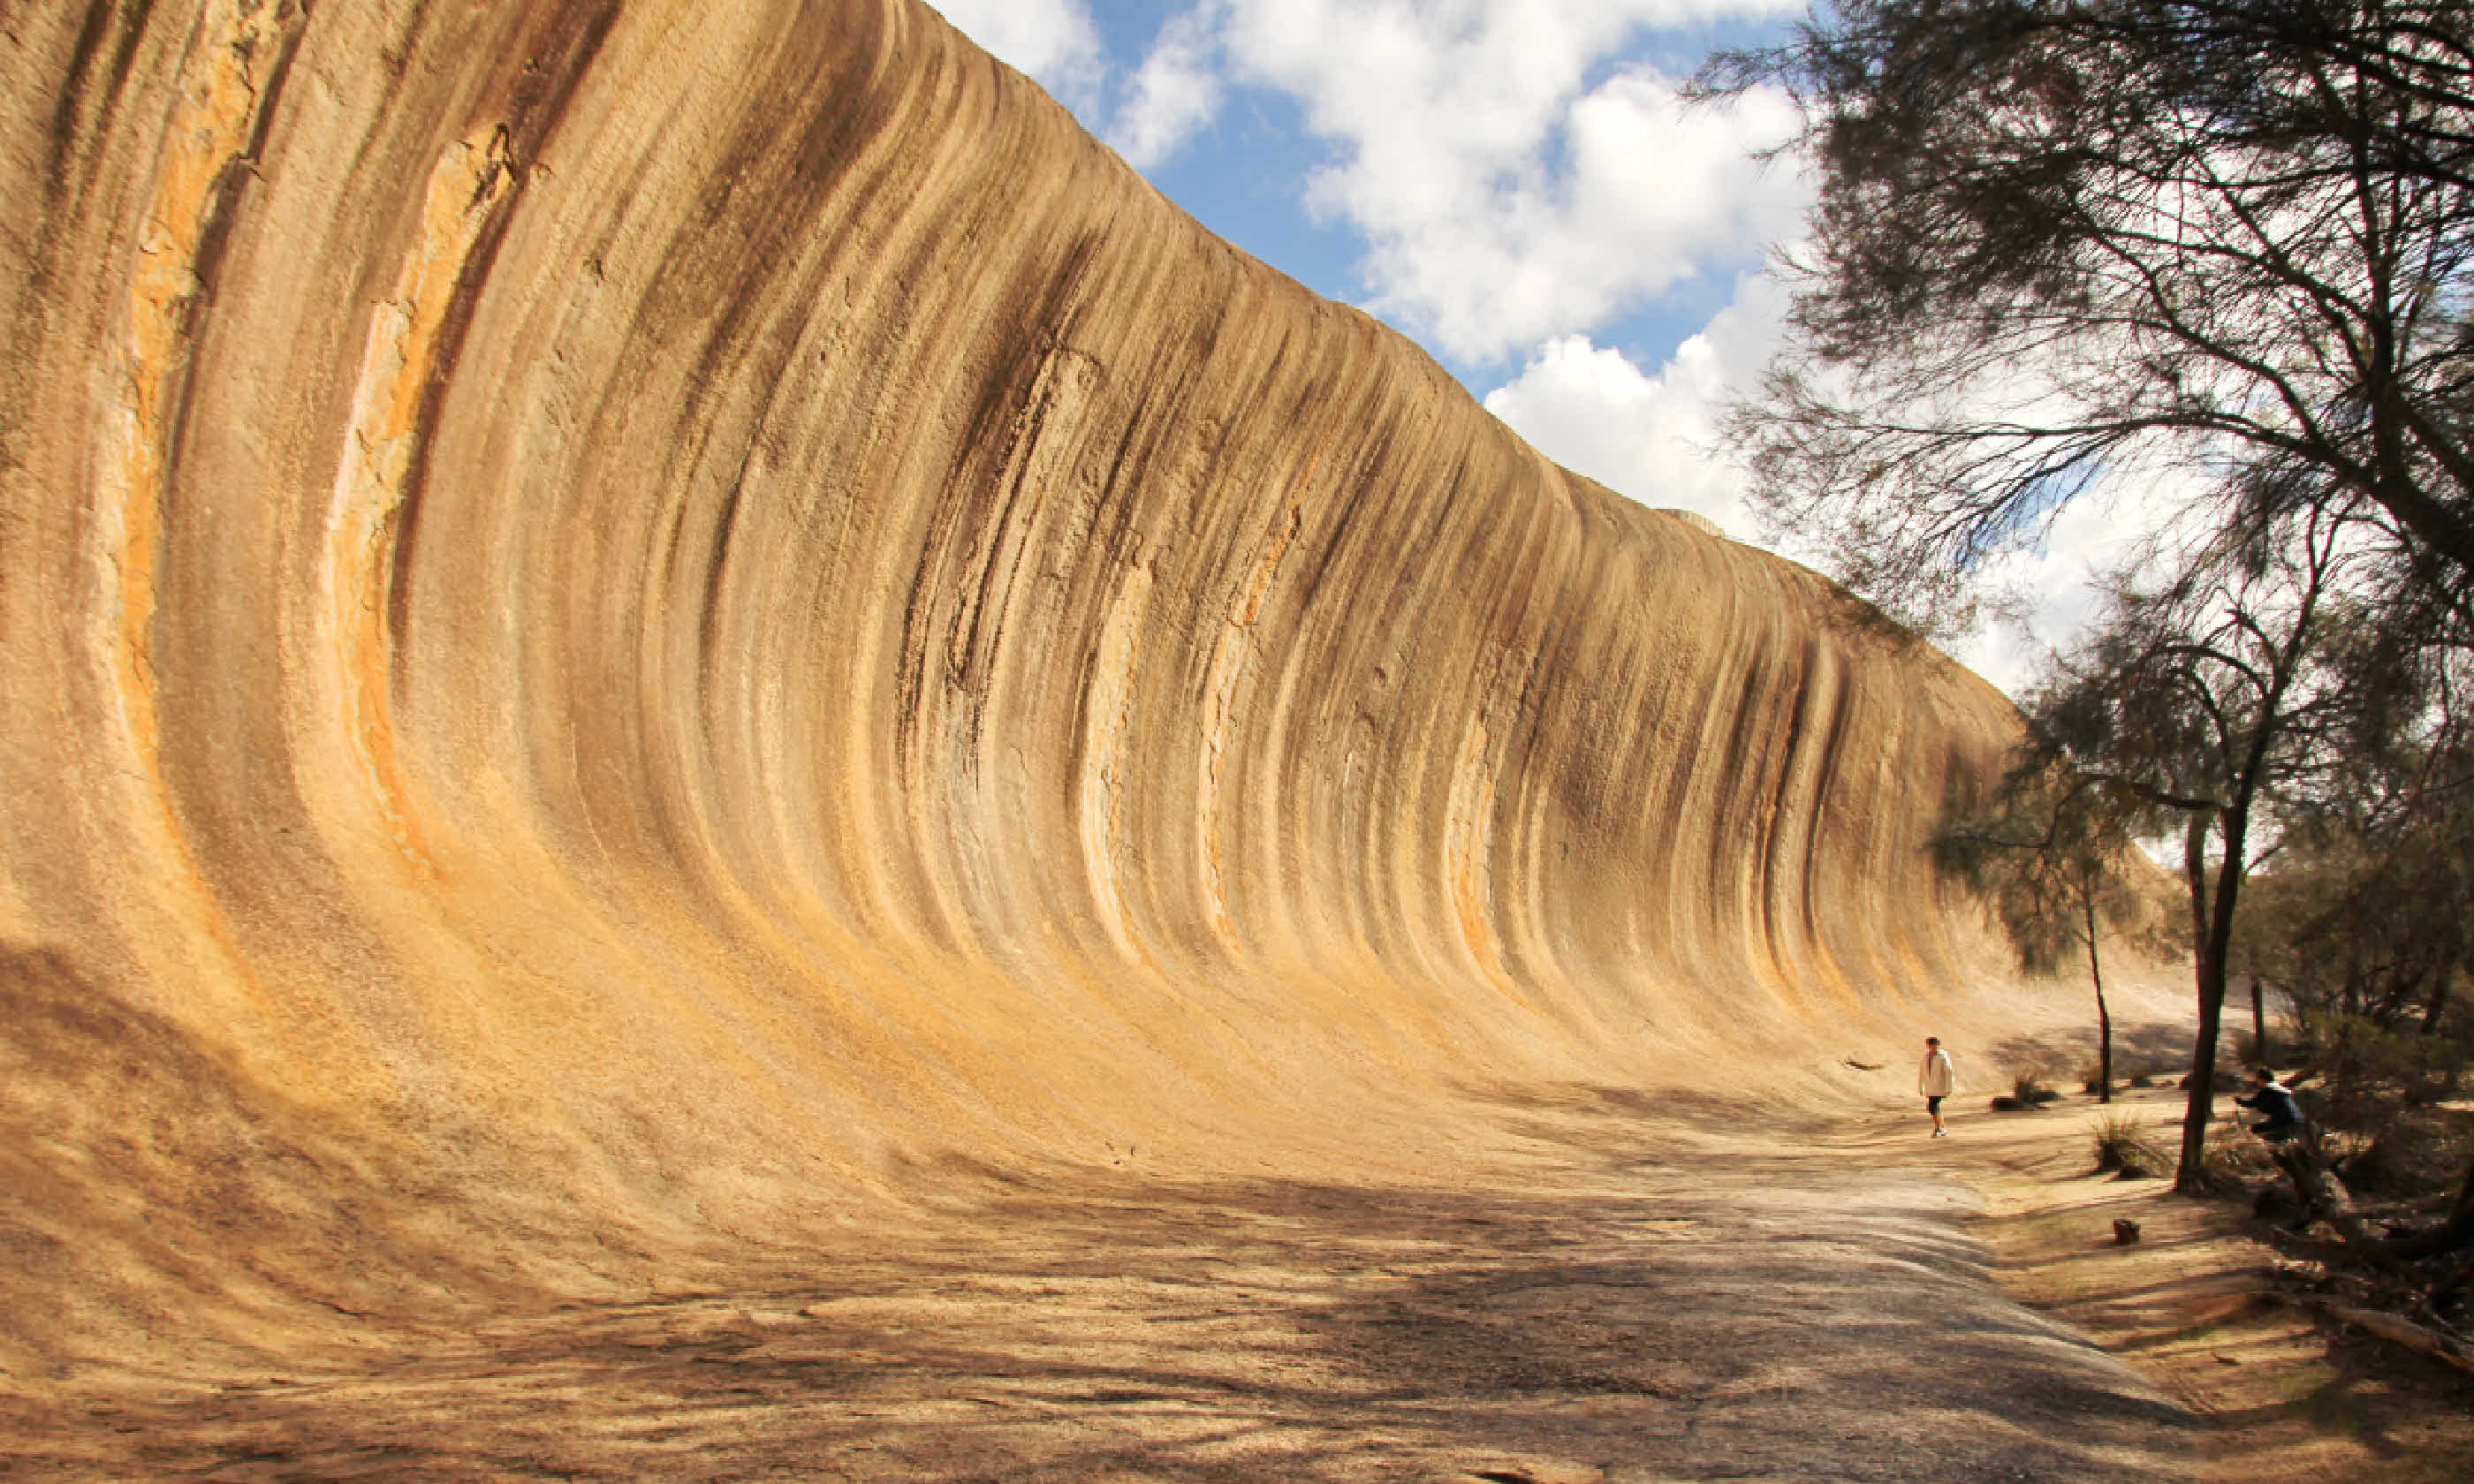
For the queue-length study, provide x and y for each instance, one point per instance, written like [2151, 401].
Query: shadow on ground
[1645, 1303]
[2158, 1048]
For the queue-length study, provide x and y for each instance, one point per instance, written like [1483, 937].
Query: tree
[2376, 886]
[2366, 916]
[2070, 243]
[2209, 699]
[2044, 851]
[2368, 928]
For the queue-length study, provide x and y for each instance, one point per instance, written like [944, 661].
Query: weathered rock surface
[630, 627]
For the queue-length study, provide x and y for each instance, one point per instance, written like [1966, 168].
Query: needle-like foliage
[2223, 248]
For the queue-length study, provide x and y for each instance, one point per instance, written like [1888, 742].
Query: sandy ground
[1660, 1292]
[2195, 1306]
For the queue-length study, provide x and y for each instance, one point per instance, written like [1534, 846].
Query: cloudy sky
[1509, 183]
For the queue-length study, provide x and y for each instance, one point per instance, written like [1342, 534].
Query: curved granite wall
[661, 614]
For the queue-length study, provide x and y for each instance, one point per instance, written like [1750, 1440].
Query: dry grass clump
[2027, 1091]
[2122, 1146]
[2234, 1162]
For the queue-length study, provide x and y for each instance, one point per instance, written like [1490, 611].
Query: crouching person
[2280, 1111]
[2295, 1145]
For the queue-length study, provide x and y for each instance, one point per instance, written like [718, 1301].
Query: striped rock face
[628, 621]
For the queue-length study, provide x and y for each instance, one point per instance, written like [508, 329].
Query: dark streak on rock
[66, 132]
[536, 98]
[232, 185]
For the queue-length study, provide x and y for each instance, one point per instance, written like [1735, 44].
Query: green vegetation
[2216, 258]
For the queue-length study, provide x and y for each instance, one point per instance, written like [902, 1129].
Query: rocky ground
[1659, 1293]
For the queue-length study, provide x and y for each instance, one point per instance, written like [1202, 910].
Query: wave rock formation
[636, 623]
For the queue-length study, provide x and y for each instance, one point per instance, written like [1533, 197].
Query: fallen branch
[2397, 1329]
[2324, 1199]
[2308, 1248]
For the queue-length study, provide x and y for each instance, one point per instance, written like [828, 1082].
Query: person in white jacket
[1934, 1079]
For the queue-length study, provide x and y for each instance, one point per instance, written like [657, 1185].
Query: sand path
[1653, 1294]
[2198, 1308]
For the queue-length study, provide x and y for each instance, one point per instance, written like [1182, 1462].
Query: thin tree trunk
[2200, 1105]
[2103, 1016]
[2233, 823]
[2199, 1108]
[2215, 949]
[2259, 1025]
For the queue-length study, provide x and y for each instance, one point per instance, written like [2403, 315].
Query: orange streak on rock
[692, 618]
[218, 97]
[473, 179]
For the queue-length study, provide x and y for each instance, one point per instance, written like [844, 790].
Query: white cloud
[2057, 585]
[1175, 92]
[1051, 40]
[1653, 438]
[1506, 197]
[1146, 115]
[1513, 176]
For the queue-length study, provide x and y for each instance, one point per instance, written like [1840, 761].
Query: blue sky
[1513, 184]
[1249, 167]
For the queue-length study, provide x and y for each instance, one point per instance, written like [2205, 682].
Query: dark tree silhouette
[2065, 242]
[2211, 699]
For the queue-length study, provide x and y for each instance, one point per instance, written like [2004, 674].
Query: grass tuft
[2028, 1086]
[2122, 1146]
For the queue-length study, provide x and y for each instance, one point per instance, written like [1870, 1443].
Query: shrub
[2370, 1074]
[2028, 1086]
[2415, 1153]
[2122, 1146]
[2233, 1162]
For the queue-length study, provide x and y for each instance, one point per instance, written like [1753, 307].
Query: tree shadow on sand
[1644, 1303]
[2159, 1047]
